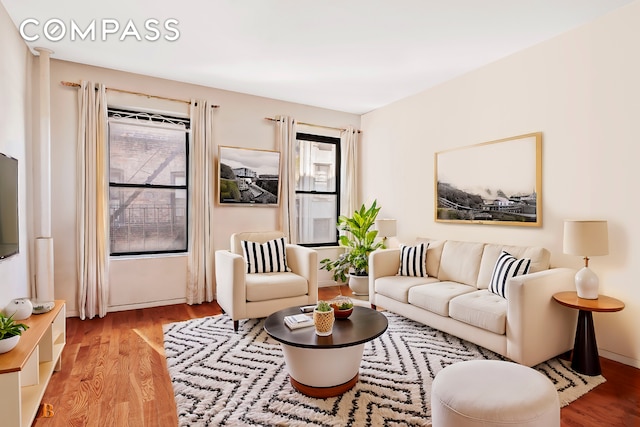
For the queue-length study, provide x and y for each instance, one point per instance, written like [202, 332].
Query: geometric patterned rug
[224, 378]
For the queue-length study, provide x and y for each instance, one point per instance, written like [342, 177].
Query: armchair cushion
[268, 257]
[269, 286]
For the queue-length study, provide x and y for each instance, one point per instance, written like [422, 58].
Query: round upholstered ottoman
[493, 393]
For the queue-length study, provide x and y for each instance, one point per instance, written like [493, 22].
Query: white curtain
[201, 199]
[349, 171]
[286, 138]
[92, 201]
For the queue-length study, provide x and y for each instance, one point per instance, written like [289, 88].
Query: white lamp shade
[386, 227]
[585, 238]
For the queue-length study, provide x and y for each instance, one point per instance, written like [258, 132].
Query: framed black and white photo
[248, 176]
[497, 182]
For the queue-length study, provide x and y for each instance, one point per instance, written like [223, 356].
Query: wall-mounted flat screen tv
[8, 206]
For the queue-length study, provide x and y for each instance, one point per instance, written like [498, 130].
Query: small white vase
[8, 344]
[19, 308]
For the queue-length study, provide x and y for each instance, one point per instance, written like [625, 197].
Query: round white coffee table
[325, 366]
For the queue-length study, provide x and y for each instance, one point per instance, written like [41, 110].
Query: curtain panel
[201, 201]
[286, 140]
[92, 201]
[349, 189]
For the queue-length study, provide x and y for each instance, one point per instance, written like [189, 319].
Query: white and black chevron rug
[222, 378]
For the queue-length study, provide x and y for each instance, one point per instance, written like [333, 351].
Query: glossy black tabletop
[363, 325]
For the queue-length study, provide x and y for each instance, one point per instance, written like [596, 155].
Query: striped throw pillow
[507, 267]
[413, 260]
[268, 257]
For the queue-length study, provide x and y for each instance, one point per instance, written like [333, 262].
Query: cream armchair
[245, 295]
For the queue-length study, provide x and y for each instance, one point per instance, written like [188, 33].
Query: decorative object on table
[40, 307]
[248, 176]
[323, 319]
[19, 308]
[342, 307]
[586, 238]
[298, 321]
[395, 376]
[359, 241]
[386, 228]
[469, 190]
[10, 332]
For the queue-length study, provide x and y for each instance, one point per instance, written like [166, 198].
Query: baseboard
[619, 358]
[327, 283]
[124, 307]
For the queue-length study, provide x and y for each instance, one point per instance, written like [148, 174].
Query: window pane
[316, 169]
[141, 154]
[147, 220]
[316, 218]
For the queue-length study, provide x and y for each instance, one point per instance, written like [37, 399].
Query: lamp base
[587, 283]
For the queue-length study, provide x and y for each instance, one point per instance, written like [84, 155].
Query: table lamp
[586, 238]
[386, 228]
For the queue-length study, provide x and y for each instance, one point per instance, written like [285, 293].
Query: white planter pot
[8, 344]
[359, 284]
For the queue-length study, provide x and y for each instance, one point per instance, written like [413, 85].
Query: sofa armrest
[231, 290]
[303, 261]
[538, 328]
[382, 263]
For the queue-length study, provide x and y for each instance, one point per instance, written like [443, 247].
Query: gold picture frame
[248, 177]
[496, 182]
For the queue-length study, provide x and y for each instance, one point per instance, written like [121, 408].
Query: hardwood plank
[114, 374]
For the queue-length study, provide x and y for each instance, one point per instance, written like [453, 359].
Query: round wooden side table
[584, 358]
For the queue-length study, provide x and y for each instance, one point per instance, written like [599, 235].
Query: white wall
[146, 281]
[15, 137]
[582, 91]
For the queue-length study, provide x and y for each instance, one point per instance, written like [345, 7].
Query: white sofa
[528, 327]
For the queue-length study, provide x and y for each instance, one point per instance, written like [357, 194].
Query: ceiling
[347, 55]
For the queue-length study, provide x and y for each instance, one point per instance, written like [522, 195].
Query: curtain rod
[312, 125]
[71, 84]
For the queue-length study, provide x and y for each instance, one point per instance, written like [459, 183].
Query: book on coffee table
[297, 321]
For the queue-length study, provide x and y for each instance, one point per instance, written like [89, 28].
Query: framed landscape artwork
[497, 182]
[248, 177]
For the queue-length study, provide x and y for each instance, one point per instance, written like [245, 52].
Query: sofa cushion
[397, 287]
[480, 308]
[413, 260]
[460, 262]
[507, 267]
[268, 257]
[434, 253]
[268, 286]
[539, 260]
[435, 297]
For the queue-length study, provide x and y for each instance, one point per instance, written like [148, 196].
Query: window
[148, 172]
[317, 178]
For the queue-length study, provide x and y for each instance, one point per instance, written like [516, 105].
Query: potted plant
[323, 318]
[359, 241]
[10, 332]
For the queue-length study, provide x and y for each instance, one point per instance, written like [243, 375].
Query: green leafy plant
[9, 328]
[323, 306]
[359, 242]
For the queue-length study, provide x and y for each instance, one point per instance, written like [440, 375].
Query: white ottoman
[493, 393]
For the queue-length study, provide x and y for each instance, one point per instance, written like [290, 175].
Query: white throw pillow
[413, 260]
[268, 257]
[507, 266]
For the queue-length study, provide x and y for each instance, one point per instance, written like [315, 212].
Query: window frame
[114, 112]
[303, 136]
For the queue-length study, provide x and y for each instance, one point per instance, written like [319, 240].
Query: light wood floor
[114, 374]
